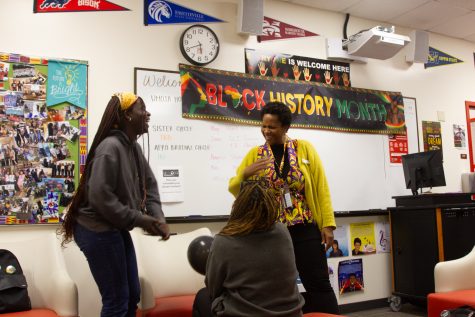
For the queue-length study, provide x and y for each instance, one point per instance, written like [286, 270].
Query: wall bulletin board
[43, 136]
[207, 153]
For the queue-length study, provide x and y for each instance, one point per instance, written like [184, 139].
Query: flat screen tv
[423, 169]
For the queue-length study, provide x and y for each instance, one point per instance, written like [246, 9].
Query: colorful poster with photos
[39, 144]
[350, 276]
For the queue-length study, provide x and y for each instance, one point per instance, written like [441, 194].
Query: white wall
[115, 42]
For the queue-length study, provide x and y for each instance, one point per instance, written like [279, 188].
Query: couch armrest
[61, 294]
[455, 275]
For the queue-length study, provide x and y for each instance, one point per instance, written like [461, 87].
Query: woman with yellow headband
[116, 193]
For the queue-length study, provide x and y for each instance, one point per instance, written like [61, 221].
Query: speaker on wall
[250, 16]
[417, 50]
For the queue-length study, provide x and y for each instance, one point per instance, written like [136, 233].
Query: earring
[129, 119]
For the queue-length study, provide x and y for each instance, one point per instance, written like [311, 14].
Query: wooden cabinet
[427, 229]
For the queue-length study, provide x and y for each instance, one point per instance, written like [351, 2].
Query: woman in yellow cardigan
[293, 171]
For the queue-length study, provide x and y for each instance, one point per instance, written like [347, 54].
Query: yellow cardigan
[317, 193]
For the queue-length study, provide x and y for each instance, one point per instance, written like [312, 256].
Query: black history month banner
[237, 97]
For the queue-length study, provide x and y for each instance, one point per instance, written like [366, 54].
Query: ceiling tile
[471, 38]
[334, 5]
[457, 27]
[467, 4]
[383, 10]
[429, 15]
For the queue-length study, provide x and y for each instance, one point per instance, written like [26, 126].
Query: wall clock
[199, 45]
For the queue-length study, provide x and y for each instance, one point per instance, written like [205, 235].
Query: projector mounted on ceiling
[378, 42]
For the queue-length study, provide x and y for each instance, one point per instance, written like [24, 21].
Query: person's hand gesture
[257, 166]
[327, 237]
[274, 70]
[306, 74]
[297, 72]
[153, 227]
[328, 78]
[262, 68]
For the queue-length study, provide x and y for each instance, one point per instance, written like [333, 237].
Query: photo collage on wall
[39, 144]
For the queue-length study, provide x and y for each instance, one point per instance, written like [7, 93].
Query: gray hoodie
[254, 275]
[113, 187]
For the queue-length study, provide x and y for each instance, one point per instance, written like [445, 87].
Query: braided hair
[254, 210]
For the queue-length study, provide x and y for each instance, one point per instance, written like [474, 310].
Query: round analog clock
[199, 45]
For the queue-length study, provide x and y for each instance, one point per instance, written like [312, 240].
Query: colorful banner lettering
[67, 83]
[439, 58]
[167, 12]
[278, 30]
[297, 67]
[237, 97]
[48, 6]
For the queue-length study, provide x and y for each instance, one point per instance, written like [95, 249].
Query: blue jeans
[113, 264]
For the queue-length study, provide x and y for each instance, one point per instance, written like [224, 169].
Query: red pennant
[278, 30]
[45, 6]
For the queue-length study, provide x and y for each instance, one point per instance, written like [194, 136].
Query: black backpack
[464, 311]
[13, 287]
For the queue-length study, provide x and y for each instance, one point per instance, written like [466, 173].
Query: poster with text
[350, 276]
[339, 247]
[432, 135]
[459, 136]
[398, 147]
[362, 238]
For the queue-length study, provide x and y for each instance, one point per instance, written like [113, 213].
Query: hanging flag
[47, 6]
[439, 58]
[166, 12]
[67, 82]
[278, 30]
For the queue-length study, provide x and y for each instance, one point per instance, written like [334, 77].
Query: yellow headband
[126, 99]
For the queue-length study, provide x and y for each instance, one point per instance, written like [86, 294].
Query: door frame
[470, 105]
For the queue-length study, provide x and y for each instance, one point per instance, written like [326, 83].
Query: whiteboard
[207, 153]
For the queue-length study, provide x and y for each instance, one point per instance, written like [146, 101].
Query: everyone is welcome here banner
[237, 97]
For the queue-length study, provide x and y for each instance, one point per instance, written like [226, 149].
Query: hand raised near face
[262, 68]
[274, 70]
[306, 74]
[328, 78]
[297, 72]
[257, 166]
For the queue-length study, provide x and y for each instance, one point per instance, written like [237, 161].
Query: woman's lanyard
[285, 190]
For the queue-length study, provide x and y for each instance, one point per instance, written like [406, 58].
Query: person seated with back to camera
[251, 268]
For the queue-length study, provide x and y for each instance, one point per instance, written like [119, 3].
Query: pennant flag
[439, 58]
[46, 6]
[166, 12]
[277, 30]
[67, 82]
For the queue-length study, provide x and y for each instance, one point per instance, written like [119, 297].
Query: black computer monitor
[423, 169]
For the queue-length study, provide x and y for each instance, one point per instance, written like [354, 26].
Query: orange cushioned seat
[172, 306]
[320, 315]
[437, 302]
[32, 313]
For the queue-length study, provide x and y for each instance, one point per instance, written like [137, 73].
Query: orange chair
[52, 292]
[454, 285]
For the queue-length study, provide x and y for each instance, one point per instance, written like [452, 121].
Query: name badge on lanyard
[286, 198]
